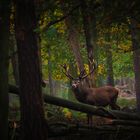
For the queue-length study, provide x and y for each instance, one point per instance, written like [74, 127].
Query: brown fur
[102, 96]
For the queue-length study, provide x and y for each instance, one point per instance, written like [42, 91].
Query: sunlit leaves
[123, 66]
[67, 113]
[101, 69]
[125, 46]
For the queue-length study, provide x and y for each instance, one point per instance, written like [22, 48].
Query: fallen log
[125, 122]
[64, 130]
[113, 114]
[61, 129]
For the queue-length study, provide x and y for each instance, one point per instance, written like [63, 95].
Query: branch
[62, 18]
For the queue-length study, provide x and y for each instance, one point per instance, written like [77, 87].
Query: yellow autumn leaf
[58, 77]
[100, 69]
[86, 67]
[68, 115]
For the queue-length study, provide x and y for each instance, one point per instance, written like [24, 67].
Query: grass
[123, 102]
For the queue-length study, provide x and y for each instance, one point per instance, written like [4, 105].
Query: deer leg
[89, 120]
[116, 107]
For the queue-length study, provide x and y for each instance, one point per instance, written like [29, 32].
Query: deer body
[102, 96]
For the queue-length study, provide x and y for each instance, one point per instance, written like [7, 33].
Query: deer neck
[80, 94]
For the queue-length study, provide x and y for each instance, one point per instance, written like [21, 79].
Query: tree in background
[33, 123]
[89, 27]
[73, 35]
[135, 33]
[4, 60]
[50, 72]
[109, 61]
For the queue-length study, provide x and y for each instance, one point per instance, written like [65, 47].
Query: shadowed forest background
[39, 38]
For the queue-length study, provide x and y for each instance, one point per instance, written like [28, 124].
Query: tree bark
[33, 124]
[73, 42]
[135, 34]
[73, 38]
[4, 60]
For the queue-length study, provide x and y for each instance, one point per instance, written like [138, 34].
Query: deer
[99, 96]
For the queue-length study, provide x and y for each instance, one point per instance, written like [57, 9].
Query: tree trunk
[89, 25]
[109, 61]
[4, 53]
[135, 33]
[33, 125]
[74, 43]
[73, 38]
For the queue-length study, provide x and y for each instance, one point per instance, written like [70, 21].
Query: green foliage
[121, 44]
[123, 65]
[126, 102]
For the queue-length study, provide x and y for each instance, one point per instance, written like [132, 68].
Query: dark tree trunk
[33, 126]
[4, 52]
[89, 25]
[135, 33]
[73, 42]
[109, 61]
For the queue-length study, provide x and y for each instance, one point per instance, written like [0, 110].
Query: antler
[82, 76]
[82, 73]
[67, 72]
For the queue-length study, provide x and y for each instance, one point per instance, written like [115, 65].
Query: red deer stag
[102, 96]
